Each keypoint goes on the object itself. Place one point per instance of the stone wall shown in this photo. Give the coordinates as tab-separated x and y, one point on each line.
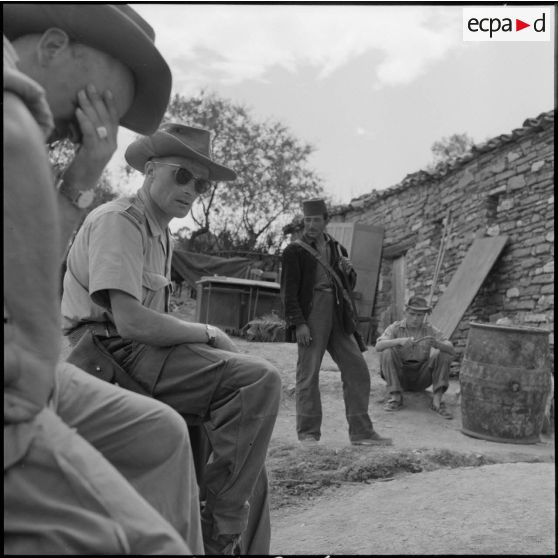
503	187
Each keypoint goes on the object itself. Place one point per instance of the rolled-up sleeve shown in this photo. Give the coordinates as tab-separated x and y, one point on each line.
388	334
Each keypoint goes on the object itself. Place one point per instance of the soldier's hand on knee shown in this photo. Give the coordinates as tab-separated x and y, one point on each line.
224	342
303	336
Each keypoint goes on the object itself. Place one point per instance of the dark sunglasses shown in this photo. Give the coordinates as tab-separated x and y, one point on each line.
183	176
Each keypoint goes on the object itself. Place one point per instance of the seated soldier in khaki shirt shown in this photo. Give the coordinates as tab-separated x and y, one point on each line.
117	285
406	359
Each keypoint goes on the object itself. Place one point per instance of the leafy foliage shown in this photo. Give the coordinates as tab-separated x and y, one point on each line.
273	176
450	148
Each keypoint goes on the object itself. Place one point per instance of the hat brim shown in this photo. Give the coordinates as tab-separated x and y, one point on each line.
425	309
106	28
163	144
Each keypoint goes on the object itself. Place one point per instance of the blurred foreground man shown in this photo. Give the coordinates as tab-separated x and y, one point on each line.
415	355
117	287
89	468
315	272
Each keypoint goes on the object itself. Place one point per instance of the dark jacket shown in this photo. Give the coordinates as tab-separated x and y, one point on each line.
298	274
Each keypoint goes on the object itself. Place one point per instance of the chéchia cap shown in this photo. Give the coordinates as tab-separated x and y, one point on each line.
115	29
174	139
418	304
314	206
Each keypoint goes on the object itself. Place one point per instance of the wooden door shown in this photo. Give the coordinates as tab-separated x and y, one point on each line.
466	282
364	245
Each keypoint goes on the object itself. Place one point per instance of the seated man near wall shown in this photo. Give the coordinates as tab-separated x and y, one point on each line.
407	362
117	286
89	468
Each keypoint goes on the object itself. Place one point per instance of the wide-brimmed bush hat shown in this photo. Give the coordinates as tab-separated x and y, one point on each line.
114	29
174	139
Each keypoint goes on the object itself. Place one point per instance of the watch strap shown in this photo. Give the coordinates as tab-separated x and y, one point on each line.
82	199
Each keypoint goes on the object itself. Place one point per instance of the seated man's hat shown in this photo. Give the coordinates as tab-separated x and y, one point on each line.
178	140
117	30
314	206
418	304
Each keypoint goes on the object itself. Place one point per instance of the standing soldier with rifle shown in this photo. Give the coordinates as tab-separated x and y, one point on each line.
315	282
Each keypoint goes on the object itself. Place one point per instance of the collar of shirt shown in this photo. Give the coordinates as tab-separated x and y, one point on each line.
155	228
422	329
312	242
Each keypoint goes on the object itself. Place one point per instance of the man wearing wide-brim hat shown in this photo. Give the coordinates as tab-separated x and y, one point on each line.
117	285
89	468
415	355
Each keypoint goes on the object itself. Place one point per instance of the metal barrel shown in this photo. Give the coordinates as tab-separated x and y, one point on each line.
505	379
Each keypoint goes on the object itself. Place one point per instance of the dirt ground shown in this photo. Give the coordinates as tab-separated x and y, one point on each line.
435	491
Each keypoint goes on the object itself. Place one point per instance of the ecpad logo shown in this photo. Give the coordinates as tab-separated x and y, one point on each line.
507	23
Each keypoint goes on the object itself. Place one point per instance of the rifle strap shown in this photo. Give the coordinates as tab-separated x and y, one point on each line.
328	268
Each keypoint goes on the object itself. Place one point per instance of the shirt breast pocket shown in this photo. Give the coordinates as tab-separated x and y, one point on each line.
154	290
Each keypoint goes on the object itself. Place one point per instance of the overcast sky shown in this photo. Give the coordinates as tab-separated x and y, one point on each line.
370	87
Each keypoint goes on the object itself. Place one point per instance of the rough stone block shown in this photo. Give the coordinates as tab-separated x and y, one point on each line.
548	267
465	179
513	155
494	230
520	252
516	182
545	302
532	318
531	290
551	200
506	205
537	166
513	292
498	190
529	263
534	241
547	289
521	304
544	278
542	248
550	236
498	166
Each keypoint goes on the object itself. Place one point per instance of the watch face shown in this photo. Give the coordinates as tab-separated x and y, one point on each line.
86	199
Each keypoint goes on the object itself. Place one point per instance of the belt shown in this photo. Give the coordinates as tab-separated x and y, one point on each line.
325	290
104	329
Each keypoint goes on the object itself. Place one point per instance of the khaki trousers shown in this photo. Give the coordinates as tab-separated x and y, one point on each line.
107	472
403	375
235	396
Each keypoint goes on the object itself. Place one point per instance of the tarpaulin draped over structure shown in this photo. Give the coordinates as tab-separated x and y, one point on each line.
191	266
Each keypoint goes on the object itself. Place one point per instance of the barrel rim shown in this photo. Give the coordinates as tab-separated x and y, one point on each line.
517	329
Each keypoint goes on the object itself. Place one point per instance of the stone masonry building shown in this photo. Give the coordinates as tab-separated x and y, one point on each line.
502	187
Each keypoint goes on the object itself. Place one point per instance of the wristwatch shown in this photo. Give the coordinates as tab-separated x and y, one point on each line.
82	199
211	335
